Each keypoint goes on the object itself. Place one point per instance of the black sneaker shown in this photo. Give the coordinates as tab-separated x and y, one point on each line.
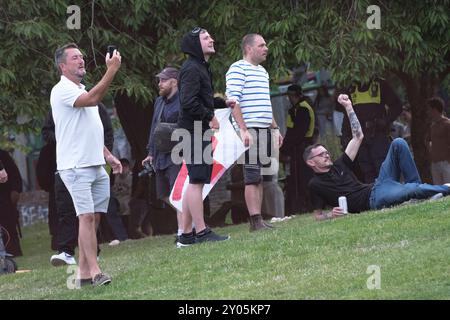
268	225
177	237
209	235
185	240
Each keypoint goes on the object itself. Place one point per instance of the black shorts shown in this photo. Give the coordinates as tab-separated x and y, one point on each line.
165	179
198	163
258	155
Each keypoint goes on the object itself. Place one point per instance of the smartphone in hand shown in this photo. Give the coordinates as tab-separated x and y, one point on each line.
111	49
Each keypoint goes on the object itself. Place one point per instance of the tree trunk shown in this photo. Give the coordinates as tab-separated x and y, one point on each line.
135	120
418	91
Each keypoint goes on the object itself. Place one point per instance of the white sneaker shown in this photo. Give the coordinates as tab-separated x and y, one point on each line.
437	196
114	243
62	259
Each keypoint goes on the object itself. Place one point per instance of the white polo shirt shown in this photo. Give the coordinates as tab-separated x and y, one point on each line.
78	131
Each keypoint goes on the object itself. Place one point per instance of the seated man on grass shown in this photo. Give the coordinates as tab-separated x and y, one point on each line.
333	180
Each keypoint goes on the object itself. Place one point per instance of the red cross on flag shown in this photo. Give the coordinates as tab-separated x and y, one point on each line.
227	148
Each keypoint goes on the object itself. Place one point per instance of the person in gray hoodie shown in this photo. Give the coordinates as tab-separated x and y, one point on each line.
196	112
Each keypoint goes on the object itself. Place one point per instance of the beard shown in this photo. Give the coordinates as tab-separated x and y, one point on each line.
164	92
80	74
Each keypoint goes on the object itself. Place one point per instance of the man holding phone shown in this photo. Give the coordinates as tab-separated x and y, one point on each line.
111	49
80	151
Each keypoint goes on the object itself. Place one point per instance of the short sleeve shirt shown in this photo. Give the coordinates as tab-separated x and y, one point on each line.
327	187
78	130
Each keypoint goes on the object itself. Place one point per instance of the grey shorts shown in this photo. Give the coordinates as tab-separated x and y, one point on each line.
89	188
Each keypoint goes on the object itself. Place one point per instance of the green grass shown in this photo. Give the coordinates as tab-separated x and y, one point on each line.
301	259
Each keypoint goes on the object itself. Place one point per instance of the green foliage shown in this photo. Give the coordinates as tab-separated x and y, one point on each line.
413	40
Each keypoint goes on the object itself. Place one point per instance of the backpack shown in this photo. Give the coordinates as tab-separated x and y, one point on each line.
163	133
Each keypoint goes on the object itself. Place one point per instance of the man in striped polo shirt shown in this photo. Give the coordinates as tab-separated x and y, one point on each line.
248	95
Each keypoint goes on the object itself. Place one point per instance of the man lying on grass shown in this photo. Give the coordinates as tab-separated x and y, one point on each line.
332	180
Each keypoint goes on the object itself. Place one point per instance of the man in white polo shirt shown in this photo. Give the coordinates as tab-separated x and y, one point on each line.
80	151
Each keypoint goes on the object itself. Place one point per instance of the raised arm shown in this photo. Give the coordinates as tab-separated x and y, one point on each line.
357	135
96	94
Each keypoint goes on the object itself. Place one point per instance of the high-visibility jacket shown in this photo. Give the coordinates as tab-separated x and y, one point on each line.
291	117
376	105
371	95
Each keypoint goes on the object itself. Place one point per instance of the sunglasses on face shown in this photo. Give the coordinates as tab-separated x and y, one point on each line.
322	155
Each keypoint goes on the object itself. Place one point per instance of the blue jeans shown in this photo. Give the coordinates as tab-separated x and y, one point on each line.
388	191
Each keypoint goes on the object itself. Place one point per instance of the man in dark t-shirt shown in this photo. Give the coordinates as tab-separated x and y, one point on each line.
333	180
327	187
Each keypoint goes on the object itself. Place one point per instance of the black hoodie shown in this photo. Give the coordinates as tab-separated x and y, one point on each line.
195	86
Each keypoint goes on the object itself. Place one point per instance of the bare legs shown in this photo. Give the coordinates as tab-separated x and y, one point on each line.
193	208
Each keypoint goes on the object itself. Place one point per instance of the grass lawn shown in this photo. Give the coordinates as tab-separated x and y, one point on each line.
300	259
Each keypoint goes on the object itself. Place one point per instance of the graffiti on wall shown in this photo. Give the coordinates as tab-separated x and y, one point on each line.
32	213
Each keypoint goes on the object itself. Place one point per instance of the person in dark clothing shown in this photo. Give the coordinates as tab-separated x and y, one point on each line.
166	110
369	103
63	215
45	174
10	188
333	180
438	141
196	111
299	135
63	222
114	225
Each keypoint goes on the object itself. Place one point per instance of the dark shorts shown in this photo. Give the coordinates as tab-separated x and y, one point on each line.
258	156
165	179
199	167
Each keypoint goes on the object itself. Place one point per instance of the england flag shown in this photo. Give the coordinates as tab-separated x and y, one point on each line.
227	148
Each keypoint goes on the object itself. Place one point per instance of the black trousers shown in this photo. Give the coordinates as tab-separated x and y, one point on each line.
67	234
298	198
52	218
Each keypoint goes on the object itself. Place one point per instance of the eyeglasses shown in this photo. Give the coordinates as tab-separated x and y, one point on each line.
196	30
322	154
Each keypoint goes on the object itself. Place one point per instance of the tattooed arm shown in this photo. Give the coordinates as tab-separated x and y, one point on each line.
357	135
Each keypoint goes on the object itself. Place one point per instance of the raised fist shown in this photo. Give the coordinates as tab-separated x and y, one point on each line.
344	100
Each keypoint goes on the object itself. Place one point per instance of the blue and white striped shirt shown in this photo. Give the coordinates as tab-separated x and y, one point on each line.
249	86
